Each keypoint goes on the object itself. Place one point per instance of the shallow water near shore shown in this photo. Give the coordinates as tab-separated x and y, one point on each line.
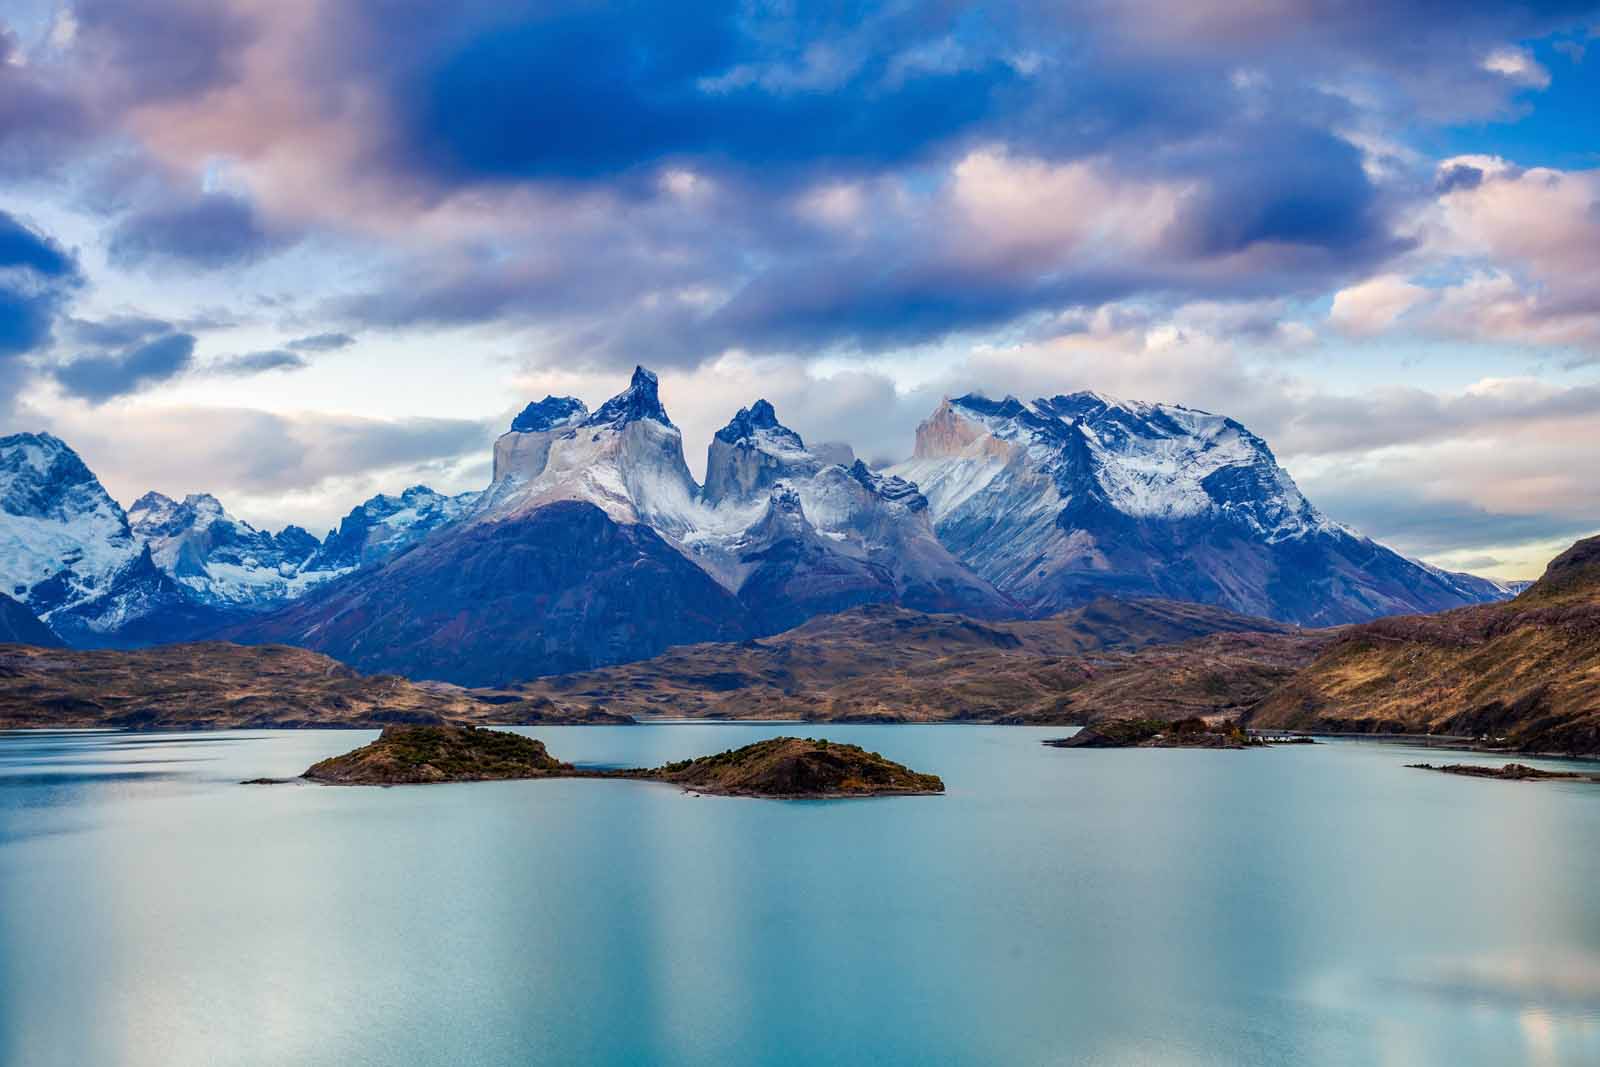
1308	904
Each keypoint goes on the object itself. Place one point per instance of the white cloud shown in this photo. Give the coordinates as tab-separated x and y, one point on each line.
1373	306
1518	65
1534	237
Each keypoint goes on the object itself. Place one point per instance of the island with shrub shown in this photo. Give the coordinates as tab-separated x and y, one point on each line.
1193	732
782	767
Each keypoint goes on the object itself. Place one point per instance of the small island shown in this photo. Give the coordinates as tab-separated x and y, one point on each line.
1157	733
416	755
781	767
1511	772
798	767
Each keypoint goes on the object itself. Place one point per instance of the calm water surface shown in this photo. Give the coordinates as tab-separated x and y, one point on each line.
1303	905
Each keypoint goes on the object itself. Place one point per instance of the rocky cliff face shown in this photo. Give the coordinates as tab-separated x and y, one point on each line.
787	530
1071	497
626	459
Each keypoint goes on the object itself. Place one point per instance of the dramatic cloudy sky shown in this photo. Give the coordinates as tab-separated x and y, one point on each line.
293	252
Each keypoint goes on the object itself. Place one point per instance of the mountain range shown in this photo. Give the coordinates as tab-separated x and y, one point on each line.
1071	497
594	545
167	570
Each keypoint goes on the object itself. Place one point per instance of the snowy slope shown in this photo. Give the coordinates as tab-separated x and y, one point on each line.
1066	498
221	559
847	536
383	525
63	540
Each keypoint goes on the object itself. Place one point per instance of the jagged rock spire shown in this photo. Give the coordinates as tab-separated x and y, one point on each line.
758	416
641	400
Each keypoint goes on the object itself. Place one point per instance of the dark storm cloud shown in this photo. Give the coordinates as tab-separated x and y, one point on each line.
38	116
208	231
22	247
37	278
251	363
161	49
580	91
1283	185
1458	176
115	331
321	342
593	95
102	377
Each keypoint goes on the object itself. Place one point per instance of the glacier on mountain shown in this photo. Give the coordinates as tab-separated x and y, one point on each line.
627	459
1069	497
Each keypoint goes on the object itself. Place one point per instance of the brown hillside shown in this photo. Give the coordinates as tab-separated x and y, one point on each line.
212	685
1527	671
881	663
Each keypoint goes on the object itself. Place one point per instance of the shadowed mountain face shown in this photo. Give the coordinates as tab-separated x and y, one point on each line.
1073	497
1153	659
790	530
562	588
594	546
18	626
1527	671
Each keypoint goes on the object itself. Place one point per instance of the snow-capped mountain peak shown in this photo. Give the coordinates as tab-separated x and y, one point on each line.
626	458
641	400
1145	461
551	413
753	452
63	539
382	525
1066	497
222	560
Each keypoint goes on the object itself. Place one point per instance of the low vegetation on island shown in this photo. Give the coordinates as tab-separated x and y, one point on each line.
1511	772
783	767
414	755
1156	733
798	767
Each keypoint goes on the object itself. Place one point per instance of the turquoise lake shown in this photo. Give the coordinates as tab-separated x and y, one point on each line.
1309	905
